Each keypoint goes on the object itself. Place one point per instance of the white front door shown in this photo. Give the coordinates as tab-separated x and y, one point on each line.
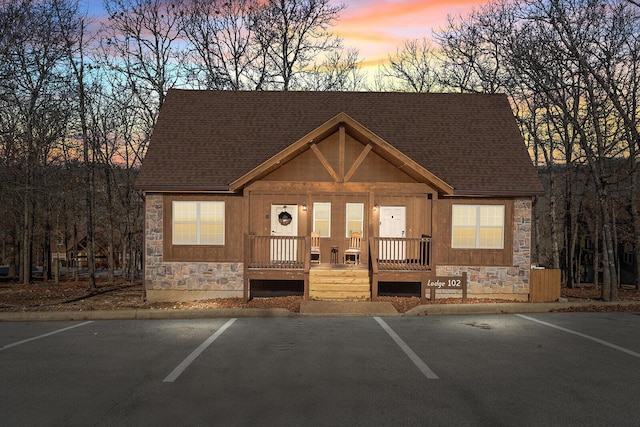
284	223
392	224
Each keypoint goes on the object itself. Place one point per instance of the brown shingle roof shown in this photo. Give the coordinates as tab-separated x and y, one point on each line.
205	140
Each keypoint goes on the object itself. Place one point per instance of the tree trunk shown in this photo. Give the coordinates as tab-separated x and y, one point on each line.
571	232
91	260
27	233
110	220
74	251
14	258
635	213
609	286
46	250
596	254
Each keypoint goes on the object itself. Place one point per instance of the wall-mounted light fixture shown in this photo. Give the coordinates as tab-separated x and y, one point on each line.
304	206
375	207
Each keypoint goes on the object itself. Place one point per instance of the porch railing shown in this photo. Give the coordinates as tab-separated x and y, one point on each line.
277	252
400	254
293	252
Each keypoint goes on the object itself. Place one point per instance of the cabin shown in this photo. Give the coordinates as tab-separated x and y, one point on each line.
340	193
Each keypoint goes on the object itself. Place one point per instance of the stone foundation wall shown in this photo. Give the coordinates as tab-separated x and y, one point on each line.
204	279
501	282
196	276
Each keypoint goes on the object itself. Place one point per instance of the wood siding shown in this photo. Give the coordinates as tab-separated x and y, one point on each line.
231	251
339	158
444	254
340	169
419	212
262	195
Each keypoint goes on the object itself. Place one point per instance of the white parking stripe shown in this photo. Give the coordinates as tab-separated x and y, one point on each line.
407	350
598	340
202	347
4	347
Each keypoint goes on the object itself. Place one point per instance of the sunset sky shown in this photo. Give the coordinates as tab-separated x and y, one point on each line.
378	27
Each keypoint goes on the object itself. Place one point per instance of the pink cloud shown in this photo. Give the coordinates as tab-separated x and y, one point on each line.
378	28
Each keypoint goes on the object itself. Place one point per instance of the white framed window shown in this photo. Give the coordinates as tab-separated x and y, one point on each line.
477	227
355	219
322	218
198	223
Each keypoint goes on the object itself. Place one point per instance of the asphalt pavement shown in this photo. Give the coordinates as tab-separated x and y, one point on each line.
560	369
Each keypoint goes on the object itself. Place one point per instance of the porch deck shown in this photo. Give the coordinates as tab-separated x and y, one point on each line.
289	258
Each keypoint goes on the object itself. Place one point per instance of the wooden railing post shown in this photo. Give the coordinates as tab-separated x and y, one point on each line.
373	256
245	271
307	266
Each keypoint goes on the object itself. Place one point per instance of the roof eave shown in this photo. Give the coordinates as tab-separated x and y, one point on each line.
495	193
184	189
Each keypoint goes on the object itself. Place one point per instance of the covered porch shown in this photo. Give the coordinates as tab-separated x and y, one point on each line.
290	258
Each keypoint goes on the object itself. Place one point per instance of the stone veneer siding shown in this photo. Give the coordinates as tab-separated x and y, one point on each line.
502	282
209	279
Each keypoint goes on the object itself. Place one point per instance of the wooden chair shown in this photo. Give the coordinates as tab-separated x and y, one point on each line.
352	255
315	247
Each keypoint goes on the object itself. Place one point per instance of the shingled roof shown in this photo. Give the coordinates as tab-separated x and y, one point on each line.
206	140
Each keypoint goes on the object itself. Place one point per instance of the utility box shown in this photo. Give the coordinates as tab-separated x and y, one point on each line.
544	285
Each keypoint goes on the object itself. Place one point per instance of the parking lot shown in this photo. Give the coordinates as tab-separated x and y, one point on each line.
538	369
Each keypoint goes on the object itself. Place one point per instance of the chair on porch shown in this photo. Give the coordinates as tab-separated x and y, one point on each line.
315	247
352	255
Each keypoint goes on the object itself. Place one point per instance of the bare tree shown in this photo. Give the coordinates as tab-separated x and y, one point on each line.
291	34
570	69
33	96
472	59
600	53
141	41
340	71
412	68
73	29
611	58
115	120
223	47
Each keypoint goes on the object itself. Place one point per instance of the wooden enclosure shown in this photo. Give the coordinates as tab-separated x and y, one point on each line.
544	285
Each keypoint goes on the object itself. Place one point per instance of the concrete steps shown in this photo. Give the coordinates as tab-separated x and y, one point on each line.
339	284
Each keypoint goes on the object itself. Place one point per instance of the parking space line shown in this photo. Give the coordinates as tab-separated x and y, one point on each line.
202	347
407	350
569	331
4	347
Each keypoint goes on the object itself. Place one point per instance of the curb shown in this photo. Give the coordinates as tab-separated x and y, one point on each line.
508	308
143	314
347	308
332	310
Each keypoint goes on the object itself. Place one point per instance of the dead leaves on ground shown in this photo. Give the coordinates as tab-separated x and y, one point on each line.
75	296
